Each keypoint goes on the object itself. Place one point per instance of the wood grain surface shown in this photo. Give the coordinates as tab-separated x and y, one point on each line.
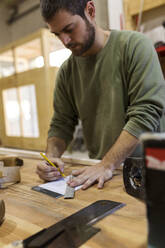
27	211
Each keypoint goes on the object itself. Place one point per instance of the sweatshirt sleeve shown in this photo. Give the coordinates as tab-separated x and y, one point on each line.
145	86
64	118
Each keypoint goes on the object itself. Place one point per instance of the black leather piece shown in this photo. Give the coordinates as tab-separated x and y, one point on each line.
134	177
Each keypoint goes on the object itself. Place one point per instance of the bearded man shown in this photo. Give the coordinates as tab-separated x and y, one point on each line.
112	82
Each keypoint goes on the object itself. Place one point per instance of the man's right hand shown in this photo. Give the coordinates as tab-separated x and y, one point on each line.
48	172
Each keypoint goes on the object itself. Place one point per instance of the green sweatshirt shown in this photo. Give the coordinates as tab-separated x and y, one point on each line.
120	88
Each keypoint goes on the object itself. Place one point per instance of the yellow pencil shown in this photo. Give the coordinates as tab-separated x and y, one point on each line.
62	174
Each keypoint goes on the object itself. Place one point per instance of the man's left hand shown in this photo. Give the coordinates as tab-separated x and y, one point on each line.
91	174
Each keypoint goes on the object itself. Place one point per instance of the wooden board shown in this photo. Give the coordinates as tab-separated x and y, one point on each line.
134	6
28	211
69	159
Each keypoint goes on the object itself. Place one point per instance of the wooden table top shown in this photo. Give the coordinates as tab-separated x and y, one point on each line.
28	212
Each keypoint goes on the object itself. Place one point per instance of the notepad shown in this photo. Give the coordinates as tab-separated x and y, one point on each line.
56	188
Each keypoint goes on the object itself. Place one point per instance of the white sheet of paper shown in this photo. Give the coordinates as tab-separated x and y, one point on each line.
58	186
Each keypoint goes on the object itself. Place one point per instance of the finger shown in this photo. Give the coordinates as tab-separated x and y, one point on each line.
70	179
88	183
61	168
46	168
59	163
77	181
101	183
48	176
50	179
53	174
78	172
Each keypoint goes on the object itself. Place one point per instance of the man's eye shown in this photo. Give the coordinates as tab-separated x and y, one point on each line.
69	30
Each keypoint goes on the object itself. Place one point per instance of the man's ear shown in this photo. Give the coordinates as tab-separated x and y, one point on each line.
90	10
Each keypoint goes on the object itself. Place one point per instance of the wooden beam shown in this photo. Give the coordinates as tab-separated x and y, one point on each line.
36	155
134	6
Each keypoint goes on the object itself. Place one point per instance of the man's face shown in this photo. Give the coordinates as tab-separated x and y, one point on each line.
76	33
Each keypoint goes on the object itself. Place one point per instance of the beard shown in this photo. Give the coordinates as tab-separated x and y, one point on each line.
87	43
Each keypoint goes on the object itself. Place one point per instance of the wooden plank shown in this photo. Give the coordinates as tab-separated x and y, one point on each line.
129	22
36	155
134	6
28	212
82	161
21	153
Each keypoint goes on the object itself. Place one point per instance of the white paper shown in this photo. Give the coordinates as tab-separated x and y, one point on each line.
58	186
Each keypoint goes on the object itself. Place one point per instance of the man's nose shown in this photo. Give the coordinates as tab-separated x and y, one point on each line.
65	39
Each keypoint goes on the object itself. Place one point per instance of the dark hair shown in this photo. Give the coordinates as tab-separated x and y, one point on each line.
50	7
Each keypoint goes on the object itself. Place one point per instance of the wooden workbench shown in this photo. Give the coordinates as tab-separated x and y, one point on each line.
27	211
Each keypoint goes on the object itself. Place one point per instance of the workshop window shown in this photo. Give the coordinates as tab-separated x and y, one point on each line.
58	57
58	53
29	56
6	64
29	111
21	112
12	112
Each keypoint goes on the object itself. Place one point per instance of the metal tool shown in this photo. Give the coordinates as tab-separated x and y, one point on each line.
74	230
70	191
